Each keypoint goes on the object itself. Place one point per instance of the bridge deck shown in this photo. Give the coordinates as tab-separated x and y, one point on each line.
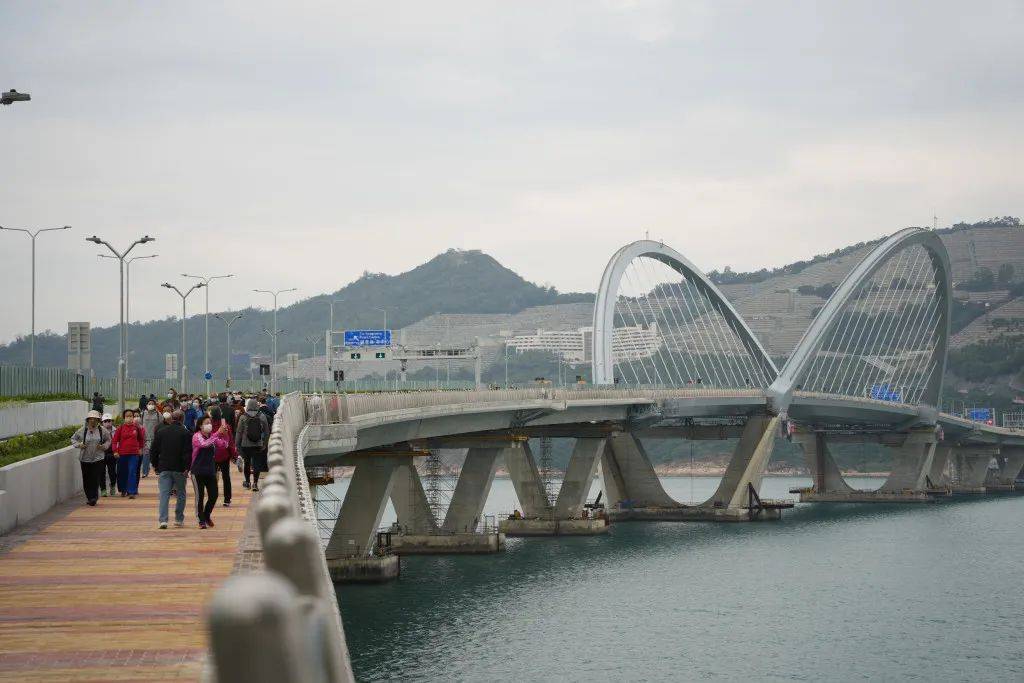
99	593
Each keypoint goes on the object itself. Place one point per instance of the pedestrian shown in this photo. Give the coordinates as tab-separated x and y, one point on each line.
109	472
266	410
192	414
128	441
151	420
226	453
203	468
171	456
91	440
97	402
251	440
143	400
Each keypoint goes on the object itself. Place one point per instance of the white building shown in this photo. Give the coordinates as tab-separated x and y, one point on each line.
574	346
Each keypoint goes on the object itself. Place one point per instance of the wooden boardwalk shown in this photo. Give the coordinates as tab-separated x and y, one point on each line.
101	594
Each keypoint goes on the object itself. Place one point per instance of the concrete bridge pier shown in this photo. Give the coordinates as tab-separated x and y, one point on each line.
970	468
736	498
567	516
634	492
938	475
351	552
418	533
908	482
1011	462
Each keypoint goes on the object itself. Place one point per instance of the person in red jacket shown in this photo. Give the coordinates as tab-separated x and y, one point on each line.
126	445
226	453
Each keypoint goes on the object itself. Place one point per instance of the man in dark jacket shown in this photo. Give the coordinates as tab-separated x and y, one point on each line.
170	455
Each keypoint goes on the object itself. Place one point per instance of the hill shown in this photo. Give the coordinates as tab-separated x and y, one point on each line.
452	282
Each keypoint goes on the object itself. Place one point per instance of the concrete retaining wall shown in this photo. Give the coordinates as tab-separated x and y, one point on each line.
31	487
26	418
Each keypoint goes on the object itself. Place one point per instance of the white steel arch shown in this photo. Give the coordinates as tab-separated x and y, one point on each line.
607	294
793	373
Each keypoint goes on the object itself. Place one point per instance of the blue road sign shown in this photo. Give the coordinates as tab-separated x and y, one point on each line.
367	337
208	375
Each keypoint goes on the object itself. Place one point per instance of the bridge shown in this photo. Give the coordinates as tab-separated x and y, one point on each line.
671	359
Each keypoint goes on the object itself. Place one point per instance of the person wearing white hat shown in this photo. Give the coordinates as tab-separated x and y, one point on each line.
109	471
92	441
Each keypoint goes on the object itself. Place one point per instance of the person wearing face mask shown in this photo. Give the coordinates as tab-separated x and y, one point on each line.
127	443
109	472
91	440
192	414
203	468
151	420
172	455
226	453
251	440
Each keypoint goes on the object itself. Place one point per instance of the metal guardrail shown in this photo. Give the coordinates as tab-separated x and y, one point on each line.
281	624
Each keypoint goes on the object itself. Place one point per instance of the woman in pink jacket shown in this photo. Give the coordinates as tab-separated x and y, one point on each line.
205	444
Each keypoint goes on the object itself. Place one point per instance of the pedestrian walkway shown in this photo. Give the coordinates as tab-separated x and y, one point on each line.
101	594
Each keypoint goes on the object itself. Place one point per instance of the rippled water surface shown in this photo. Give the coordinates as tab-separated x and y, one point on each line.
868	592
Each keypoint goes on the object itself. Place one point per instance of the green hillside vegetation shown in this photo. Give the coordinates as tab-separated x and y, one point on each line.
452	282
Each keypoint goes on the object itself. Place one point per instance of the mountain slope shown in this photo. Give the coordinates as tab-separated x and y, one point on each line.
452	282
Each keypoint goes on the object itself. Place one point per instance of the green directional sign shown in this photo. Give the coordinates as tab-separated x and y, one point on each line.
355	356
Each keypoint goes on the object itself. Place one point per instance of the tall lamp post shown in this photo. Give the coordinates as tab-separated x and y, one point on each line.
273	365
206	280
273	368
228	324
121	360
333	301
32	235
184	364
127	300
313	341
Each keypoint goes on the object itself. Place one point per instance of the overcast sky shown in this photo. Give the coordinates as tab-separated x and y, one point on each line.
300	144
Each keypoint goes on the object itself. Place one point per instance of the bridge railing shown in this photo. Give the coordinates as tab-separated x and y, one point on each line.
281	624
339	408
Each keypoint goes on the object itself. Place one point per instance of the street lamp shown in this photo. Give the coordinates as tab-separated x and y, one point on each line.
127	300
121	360
228	324
12	96
385	312
32	342
184	364
206	279
273	368
334	301
313	341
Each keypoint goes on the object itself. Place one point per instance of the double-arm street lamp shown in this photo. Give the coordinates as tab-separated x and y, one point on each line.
184	296
32	342
206	280
228	323
273	335
121	360
127	300
313	341
273	366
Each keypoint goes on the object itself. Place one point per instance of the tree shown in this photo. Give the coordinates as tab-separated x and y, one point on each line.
1006	272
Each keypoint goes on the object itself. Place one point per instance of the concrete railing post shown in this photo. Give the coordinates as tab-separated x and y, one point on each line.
256	632
293	550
